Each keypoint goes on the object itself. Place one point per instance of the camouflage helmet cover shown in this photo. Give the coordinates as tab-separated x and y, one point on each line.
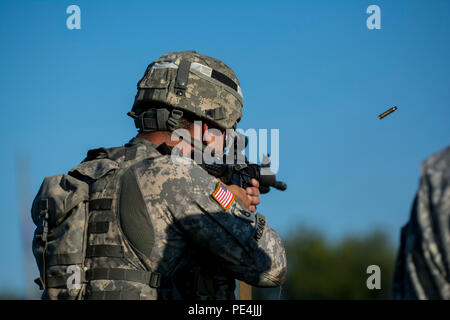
197	84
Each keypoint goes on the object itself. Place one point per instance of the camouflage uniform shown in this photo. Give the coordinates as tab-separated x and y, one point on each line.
153	229
188	227
423	262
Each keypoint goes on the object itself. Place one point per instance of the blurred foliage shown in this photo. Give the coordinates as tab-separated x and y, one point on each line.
7	294
320	269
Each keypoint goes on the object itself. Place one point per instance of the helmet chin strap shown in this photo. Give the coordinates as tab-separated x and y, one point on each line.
160	119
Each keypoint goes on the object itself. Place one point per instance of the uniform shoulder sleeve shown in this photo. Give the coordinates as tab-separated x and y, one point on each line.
423	260
214	220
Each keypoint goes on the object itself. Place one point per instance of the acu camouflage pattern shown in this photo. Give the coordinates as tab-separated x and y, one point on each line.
202	93
191	230
79	202
186	219
65	200
104	168
423	262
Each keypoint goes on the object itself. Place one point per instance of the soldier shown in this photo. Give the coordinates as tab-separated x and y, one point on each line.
423	262
159	226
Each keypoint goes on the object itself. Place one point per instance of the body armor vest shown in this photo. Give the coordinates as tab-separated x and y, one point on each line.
109	256
110	268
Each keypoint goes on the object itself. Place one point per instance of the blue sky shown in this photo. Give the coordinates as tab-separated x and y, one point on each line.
311	69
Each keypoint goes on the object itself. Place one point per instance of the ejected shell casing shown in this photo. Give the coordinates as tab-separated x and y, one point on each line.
387	112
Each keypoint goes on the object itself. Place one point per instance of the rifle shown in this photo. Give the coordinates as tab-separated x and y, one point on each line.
241	174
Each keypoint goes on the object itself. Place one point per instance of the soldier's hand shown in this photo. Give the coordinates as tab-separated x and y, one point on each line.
248	197
240	194
253	195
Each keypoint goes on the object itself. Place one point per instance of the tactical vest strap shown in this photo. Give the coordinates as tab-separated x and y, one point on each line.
113	295
98	227
146	277
62	259
58	281
61	280
100	204
104	251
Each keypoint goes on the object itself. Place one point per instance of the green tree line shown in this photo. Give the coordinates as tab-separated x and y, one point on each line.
322	269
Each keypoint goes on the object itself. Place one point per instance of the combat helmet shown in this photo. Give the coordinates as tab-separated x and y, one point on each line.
187	84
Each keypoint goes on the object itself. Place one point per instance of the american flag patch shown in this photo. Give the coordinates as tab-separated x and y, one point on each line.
224	197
